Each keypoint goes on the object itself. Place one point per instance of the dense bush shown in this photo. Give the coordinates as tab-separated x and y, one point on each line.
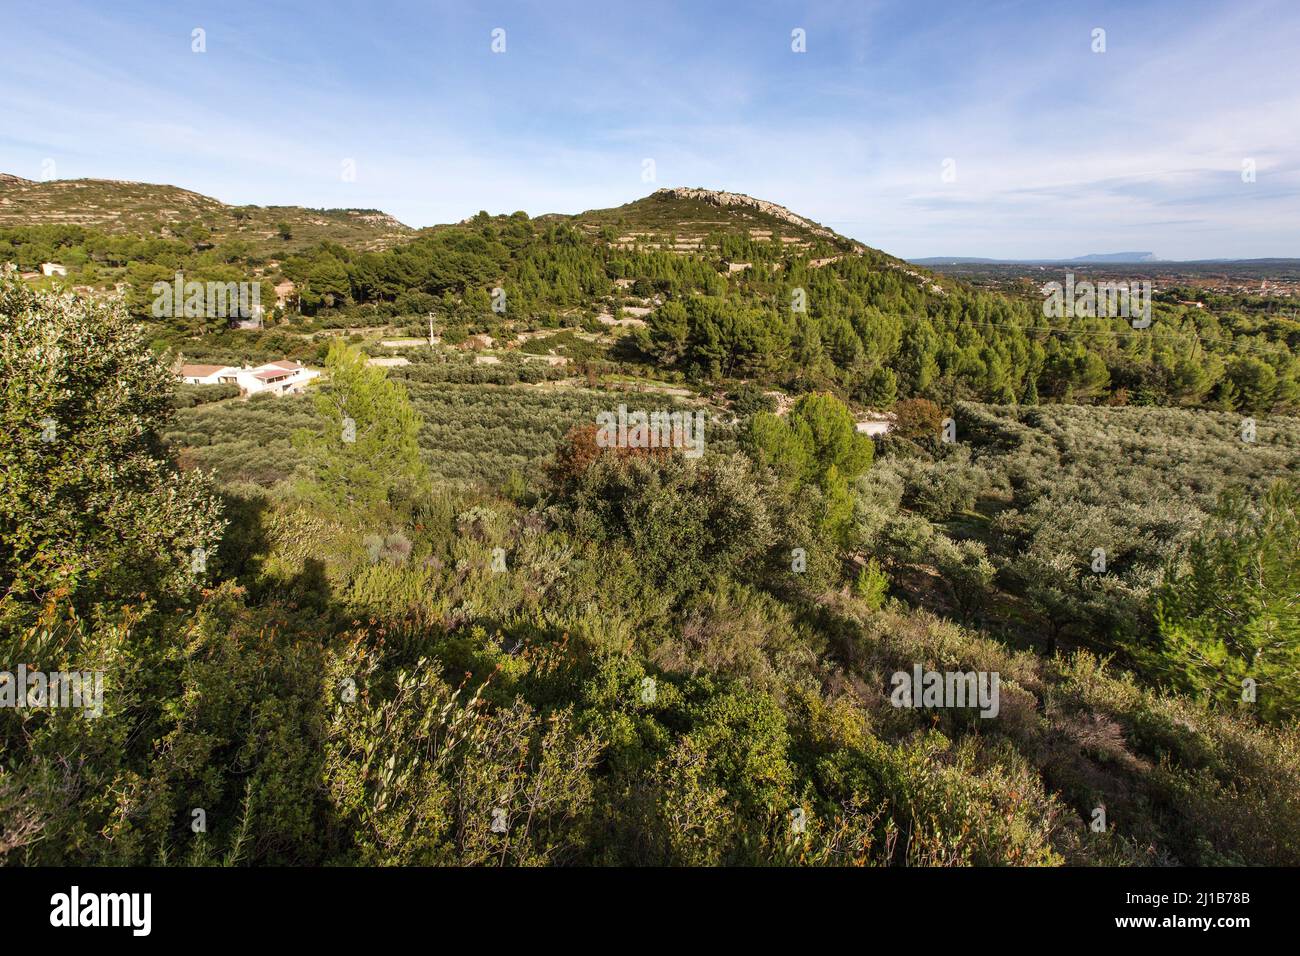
90	508
188	396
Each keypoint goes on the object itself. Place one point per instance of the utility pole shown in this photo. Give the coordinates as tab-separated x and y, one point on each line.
430	330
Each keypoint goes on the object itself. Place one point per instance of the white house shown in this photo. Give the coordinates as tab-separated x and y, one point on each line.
208	374
277	378
53	269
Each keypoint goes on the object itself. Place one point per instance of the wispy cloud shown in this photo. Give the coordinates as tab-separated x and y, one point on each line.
1057	150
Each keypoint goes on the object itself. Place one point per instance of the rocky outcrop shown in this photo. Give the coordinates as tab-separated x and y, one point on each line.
724	199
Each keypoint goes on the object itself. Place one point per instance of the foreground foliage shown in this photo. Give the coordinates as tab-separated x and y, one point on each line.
614	664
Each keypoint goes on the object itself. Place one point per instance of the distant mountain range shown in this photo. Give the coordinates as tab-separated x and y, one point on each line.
1095	258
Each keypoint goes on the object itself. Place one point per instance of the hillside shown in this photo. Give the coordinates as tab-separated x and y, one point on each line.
738	228
148	210
684	218
696	286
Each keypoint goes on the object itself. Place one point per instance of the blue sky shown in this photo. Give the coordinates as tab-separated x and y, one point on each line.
1057	150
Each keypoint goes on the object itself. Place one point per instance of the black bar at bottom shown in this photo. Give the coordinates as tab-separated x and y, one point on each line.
341	905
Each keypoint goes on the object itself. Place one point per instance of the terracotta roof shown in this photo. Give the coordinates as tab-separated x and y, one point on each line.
201	371
268	374
285	363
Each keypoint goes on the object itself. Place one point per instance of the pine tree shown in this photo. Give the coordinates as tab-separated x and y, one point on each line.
1230	615
368	446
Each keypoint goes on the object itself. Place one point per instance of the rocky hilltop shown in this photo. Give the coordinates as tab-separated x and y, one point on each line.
723	199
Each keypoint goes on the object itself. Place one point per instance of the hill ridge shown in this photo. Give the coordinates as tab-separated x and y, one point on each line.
130	207
722	198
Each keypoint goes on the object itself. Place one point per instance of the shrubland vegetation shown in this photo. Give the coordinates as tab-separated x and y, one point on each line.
1087	518
614	656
